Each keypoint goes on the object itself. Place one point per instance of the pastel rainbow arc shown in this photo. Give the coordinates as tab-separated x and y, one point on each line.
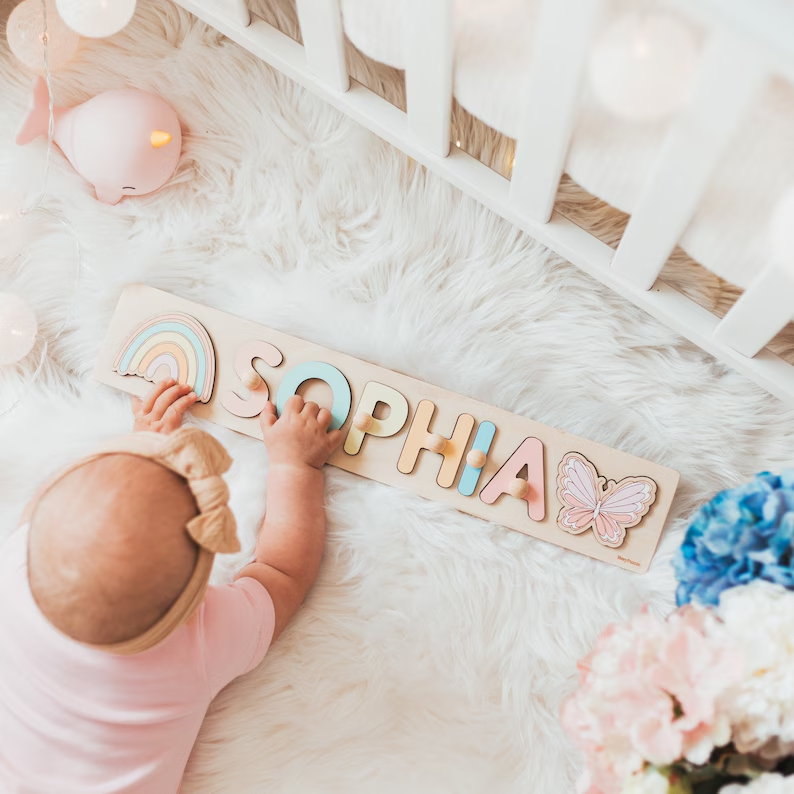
169	353
177	341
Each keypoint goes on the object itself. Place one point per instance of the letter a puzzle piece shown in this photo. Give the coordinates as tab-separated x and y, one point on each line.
529	454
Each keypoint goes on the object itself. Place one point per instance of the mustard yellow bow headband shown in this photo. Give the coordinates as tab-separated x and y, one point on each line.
200	459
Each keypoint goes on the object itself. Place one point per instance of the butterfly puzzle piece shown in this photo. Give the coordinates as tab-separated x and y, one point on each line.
607	507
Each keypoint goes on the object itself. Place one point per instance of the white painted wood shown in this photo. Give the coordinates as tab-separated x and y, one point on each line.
238	12
729	78
760	313
492	190
428	45
561	46
768	23
324	40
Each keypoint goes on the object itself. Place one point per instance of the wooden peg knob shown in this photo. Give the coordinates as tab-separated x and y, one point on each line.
362	420
252	380
436	443
518	488
476	458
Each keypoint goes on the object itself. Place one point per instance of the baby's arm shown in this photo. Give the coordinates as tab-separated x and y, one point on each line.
292	536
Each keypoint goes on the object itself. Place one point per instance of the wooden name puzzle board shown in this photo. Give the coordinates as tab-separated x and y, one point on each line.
400	431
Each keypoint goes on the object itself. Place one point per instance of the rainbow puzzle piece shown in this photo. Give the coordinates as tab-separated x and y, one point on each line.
176	341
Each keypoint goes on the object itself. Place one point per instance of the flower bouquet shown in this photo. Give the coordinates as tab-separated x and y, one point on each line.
702	702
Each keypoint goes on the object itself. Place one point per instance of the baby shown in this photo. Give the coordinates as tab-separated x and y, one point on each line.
112	644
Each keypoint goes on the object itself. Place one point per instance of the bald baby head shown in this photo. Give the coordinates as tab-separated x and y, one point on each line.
109	553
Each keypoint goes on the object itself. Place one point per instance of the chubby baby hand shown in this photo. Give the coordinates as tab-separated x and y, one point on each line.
161	410
299	437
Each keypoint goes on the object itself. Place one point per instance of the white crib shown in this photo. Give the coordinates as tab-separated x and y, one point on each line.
746	45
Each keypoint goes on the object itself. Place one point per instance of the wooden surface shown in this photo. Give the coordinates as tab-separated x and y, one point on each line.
378	456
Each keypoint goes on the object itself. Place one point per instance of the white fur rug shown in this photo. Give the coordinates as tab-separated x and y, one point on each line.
434	651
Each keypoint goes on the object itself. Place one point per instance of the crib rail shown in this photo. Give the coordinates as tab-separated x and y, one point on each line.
733	69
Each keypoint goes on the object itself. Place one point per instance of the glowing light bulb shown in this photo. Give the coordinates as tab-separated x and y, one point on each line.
24	32
18	328
96	18
642	66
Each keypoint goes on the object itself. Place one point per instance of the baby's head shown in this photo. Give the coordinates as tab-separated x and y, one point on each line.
110	546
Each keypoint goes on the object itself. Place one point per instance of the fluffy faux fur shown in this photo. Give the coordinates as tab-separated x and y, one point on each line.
434	651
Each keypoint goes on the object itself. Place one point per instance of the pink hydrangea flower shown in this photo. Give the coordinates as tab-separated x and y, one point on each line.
648	693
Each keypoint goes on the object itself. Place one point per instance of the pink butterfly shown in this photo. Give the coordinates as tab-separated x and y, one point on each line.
609	507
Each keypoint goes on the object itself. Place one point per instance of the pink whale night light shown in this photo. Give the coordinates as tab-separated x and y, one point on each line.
125	142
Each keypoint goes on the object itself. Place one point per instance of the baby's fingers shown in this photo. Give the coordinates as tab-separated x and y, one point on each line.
167	399
268	416
334	438
294	405
149	400
183	403
172	420
324	418
310	409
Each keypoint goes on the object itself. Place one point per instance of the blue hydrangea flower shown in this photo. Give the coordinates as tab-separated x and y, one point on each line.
742	534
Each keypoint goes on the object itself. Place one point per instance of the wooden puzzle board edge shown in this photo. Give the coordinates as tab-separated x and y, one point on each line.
378	457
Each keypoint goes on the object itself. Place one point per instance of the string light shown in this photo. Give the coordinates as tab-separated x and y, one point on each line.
20	317
26	40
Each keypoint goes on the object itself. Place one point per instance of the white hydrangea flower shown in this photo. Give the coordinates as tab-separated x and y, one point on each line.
760	617
650	782
766	784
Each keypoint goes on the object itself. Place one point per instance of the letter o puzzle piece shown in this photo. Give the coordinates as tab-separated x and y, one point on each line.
318	370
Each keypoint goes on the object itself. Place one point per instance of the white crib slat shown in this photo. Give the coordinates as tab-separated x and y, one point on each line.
729	78
324	41
238	12
764	308
428	43
486	186
561	46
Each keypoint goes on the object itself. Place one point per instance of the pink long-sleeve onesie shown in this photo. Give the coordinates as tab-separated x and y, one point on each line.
76	720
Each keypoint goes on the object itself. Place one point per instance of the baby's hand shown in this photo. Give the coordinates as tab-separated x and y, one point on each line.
300	436
161	410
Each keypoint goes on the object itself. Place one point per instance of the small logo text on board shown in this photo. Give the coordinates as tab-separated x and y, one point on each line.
626	559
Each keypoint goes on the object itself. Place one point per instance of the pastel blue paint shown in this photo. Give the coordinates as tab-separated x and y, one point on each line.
331	375
482	441
179	328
